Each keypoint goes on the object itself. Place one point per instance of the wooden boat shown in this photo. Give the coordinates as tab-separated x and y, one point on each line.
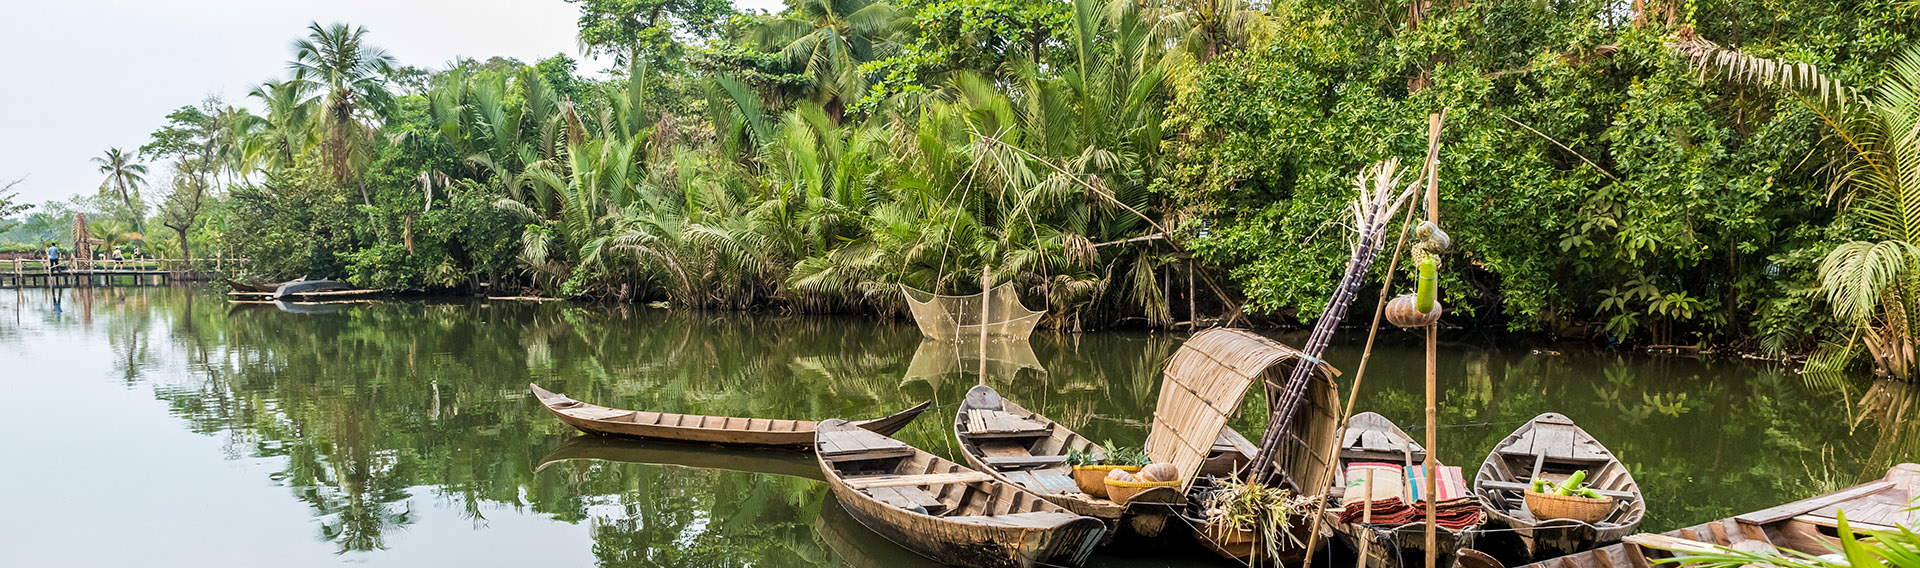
308	287
588	447
1808	525
1552	447
1371	437
237	286
944	511
1205	381
594	419
1021	447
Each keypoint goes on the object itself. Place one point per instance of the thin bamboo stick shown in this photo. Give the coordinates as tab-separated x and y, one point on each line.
1434	122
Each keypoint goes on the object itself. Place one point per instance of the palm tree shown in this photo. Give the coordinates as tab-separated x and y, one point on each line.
348	80
287	131
829	39
1875	168
124	178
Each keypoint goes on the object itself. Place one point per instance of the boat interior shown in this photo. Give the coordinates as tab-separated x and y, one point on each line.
898	475
1554	450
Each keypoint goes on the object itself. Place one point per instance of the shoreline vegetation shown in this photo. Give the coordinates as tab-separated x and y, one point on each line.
1616	176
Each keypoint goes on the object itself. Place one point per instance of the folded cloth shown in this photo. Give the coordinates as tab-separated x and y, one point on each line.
1394	496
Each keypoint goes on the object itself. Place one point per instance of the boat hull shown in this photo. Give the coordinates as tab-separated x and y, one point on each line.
688	428
971	545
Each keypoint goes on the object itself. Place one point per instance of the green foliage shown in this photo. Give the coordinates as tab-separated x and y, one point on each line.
648	30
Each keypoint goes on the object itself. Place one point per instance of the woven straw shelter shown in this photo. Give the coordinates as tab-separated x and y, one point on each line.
955	317
1204	385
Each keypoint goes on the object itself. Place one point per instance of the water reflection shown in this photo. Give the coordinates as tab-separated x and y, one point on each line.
390	422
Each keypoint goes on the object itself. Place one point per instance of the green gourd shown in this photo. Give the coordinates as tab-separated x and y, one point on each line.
1588	492
1573	481
1540	485
1428	287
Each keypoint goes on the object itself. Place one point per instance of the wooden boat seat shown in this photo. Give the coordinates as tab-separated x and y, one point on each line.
986	423
909	498
1522	487
1043	482
872	481
1023	461
1038	519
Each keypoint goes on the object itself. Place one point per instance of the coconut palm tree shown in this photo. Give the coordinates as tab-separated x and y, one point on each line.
1874	166
347	78
124	178
287	131
828	40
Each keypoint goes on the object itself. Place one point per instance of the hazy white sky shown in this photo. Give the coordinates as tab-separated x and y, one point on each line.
81	76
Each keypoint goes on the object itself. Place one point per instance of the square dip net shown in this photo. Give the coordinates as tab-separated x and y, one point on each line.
948	318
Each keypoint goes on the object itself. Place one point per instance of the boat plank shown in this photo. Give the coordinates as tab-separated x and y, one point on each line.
1783	512
873	481
908	498
1022	461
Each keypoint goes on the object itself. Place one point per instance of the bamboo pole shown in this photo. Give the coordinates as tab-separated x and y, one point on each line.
1359	375
986	294
1434	122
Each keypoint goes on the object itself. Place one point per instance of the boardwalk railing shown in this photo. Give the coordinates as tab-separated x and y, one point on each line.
85	271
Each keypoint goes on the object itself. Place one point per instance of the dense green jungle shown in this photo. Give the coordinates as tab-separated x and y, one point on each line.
1655	172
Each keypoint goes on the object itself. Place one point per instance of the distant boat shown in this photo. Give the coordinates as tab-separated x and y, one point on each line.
304	287
595	419
945	511
238	286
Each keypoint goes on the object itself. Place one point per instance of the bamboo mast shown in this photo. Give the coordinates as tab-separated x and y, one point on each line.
1433	335
986	295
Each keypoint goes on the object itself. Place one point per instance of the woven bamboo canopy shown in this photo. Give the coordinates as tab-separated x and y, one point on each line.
1204	384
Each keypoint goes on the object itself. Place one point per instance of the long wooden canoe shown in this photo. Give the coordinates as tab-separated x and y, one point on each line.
602	448
595	419
1552	447
1809	525
308	287
944	511
1019	446
1371	437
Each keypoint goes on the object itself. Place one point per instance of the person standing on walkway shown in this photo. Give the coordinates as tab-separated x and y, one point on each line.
53	256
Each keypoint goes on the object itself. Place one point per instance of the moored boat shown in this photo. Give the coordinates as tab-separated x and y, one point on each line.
1024	448
1205	381
309	287
944	511
1807	526
1552	447
1373	439
605	421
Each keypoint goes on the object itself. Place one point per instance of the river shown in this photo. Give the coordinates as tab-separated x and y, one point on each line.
166	427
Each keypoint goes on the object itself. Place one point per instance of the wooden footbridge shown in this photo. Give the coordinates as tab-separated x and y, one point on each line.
35	273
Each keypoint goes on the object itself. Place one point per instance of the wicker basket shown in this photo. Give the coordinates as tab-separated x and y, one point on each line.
1545	506
1091	479
1121	491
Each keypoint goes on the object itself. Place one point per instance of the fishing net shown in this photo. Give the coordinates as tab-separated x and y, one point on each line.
955	317
937	359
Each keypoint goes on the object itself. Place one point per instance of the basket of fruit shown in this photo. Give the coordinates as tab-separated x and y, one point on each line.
1123	485
1568	499
1091	468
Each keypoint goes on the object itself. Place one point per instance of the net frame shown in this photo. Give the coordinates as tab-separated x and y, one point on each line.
947	318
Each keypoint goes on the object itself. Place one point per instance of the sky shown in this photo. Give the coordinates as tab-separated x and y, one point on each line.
80	76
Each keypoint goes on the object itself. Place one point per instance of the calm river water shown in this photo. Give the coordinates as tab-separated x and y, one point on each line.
165	427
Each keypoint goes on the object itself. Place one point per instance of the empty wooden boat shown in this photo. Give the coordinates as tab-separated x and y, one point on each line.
594	419
1552	447
1809	525
944	511
602	448
1371	437
1019	446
